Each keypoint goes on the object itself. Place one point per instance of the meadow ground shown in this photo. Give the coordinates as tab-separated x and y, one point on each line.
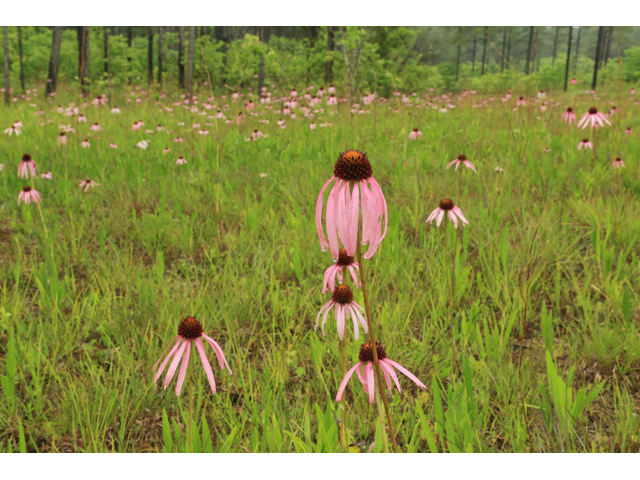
546	277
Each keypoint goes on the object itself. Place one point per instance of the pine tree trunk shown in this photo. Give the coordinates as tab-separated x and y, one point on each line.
54	62
150	56
106	50
459	41
608	49
504	46
555	47
192	43
328	74
21	63
473	55
181	57
7	100
594	82
160	54
575	65
529	46
566	71
83	57
484	50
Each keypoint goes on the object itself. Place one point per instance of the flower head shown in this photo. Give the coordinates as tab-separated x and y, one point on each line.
345	262
87	184
85	143
343	206
415	134
447	206
568	116
585	143
47	176
345	308
28	195
462	158
594	118
95	127
617	163
26	166
364	371
180	161
189	331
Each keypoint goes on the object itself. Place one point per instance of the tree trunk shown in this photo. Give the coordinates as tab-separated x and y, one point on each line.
225	48
106	50
328	74
192	43
129	43
555	47
7	100
535	66
608	48
566	71
160	54
529	45
484	50
473	55
594	82
150	56
508	50
21	63
459	41
575	66
181	57
83	57
54	62
504	51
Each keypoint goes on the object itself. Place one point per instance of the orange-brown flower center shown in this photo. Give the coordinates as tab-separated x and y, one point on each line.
342	295
446	204
344	259
190	328
353	165
366	352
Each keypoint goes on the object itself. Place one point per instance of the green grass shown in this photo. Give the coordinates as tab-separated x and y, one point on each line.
87	308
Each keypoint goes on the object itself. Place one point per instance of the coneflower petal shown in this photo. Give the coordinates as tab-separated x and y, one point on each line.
222	360
206	365
406	372
392	372
174	363
345	380
183	368
166	360
319	204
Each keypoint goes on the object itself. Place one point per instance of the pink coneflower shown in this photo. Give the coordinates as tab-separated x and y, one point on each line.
62	138
240	118
95	127
142	145
443	109
633	91
521	102
364	371
498	170
415	134
345	262
574	81
220	114
617	163
87	184
235	96
166	150
462	159
1	166
628	130
612	111
115	110
568	116
312	126
13	129
85	143
594	117
189	331
47	176
446	206
263	175
543	107
280	122
249	106
82	118
178	139
136	126
585	144
27	165
113	145
180	161
343	206
345	309
28	195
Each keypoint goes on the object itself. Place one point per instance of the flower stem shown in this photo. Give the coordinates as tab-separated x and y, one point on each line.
372	337
450	285
345	437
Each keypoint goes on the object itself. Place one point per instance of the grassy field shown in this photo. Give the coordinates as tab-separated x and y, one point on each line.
94	285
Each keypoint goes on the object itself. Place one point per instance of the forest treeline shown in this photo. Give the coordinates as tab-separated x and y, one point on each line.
357	59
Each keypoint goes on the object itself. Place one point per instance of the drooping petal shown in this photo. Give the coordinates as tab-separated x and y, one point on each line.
453	218
154	367
352	270
440	217
387	379
353	220
340	320
392	372
166	360
406	373
222	360
206	365
366	208
332	232
433	215
183	368
345	380
323	242
370	383
458	212
451	163
361	318
470	165
174	363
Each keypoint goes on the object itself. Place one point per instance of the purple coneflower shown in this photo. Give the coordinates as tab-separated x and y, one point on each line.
47	176
568	116
87	184
85	143
585	143
189	331
618	163
462	159
180	161
345	308
521	102
343	206
113	145
415	134
364	370
62	138
336	270
628	130
593	117
27	165
453	212
95	127
28	195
